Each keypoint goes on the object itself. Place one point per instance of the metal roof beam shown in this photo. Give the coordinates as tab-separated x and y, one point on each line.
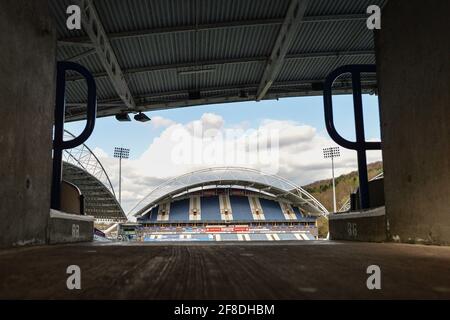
80	41
82	55
222	62
82	44
283	42
252	86
97	35
162	105
176	66
237	88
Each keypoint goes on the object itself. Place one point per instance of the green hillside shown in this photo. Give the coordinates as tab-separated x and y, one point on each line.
345	184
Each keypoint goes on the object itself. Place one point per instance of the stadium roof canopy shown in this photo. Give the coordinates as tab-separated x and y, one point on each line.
252	179
160	54
82	168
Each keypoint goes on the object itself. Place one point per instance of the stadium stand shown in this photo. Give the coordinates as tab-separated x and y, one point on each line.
210	208
179	210
225	207
241	208
154	213
229	237
255	206
195	211
297	212
226	204
272	209
286	236
258	237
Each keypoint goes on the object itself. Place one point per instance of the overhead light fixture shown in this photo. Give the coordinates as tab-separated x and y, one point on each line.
194	95
243	94
141	117
122	117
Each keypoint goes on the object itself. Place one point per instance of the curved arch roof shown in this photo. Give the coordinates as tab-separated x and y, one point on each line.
231	176
83	157
82	168
99	201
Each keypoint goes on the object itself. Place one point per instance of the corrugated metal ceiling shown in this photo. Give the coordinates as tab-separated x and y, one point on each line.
220	48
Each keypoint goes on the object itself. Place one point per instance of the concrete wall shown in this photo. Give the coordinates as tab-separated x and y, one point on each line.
413	58
70	198
376	192
69	228
368	225
27	65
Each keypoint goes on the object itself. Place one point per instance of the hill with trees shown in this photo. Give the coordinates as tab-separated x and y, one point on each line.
322	190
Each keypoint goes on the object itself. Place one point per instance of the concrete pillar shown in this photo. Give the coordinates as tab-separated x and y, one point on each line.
413	59
27	67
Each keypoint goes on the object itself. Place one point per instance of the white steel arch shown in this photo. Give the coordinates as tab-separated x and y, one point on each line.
231	176
82	168
84	158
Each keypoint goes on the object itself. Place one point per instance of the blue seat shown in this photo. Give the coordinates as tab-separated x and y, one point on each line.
229	237
210	208
271	209
240	208
154	213
179	210
258	237
297	212
286	236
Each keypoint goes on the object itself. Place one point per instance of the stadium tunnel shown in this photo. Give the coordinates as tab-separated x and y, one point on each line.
140	58
223	58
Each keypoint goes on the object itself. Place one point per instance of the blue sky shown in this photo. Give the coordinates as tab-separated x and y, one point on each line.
137	136
299	158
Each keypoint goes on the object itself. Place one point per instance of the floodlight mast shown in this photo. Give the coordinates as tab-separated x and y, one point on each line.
121	153
332	152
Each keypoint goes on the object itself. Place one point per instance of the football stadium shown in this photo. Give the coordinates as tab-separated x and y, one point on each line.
226	204
98	97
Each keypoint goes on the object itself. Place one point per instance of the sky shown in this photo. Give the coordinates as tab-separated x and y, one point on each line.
283	137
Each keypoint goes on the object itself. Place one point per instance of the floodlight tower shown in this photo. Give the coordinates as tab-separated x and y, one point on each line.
121	153
332	152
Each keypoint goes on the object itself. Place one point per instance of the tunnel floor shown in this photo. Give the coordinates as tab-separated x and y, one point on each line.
288	270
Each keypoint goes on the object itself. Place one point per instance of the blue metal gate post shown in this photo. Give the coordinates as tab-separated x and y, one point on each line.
360	145
60	108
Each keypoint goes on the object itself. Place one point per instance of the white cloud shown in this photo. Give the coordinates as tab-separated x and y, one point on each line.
160	122
286	148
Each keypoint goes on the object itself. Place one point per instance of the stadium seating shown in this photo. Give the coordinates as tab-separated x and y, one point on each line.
241	208
286	236
310	236
210	208
272	209
297	212
154	214
229	237
258	237
179	210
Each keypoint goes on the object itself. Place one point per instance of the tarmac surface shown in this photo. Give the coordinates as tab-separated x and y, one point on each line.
258	270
